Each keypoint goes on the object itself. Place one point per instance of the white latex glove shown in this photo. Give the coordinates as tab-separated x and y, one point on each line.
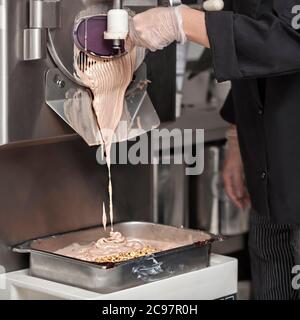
157	28
233	172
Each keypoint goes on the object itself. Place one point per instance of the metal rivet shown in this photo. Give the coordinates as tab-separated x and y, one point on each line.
61	83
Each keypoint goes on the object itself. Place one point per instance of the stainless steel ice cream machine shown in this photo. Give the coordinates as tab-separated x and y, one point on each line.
37	64
50	182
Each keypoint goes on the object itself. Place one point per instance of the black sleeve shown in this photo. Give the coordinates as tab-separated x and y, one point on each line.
227	4
227	111
244	47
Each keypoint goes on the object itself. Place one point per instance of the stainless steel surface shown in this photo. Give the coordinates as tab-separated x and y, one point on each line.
23	112
57	60
34	44
174	3
182	210
42	14
196	91
117	44
170	194
202	116
205	205
45	14
55	188
140	3
118	4
109	278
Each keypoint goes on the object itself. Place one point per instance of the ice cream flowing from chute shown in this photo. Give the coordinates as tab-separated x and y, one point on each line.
108	77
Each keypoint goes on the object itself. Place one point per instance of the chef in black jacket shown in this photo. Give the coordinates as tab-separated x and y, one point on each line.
256	45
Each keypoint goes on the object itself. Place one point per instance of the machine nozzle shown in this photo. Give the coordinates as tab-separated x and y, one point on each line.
117	25
117	46
118	4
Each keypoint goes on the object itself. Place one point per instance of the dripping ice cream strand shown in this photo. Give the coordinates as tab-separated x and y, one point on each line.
104	217
108	80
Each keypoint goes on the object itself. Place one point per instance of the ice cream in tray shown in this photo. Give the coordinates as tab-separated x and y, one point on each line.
134	254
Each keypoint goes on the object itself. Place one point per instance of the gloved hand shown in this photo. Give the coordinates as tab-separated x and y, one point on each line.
157	28
233	172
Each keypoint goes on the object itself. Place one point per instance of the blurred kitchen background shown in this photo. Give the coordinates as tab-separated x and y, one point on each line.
201	201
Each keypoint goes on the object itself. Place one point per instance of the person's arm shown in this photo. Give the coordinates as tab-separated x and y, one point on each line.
192	18
245	47
233	171
242	47
157	28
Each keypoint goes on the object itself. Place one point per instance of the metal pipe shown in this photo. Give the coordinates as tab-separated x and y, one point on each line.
118	4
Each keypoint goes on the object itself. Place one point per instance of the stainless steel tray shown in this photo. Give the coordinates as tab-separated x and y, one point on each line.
107	278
